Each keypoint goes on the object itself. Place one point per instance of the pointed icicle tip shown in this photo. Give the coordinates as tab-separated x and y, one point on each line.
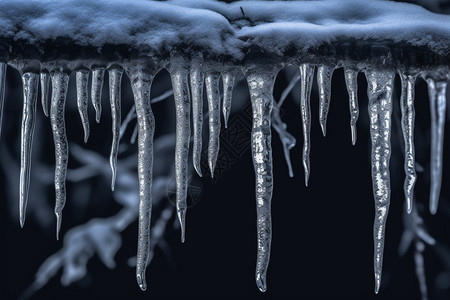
30	91
261	282
140	278
182	219
96	91
115	80
45	83
58	224
324	76
306	77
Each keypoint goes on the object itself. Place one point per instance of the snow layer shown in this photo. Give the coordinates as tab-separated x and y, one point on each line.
220	28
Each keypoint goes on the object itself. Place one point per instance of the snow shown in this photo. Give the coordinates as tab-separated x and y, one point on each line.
221	28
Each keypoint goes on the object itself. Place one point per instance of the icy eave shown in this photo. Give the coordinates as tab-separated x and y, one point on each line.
116	30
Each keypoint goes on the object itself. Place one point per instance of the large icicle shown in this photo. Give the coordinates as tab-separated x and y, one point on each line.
228	83
141	84
436	92
212	92
60	82
2	92
324	75
82	78
261	80
179	74
98	75
408	116
306	78
196	78
379	92
351	80
115	82
30	91
45	84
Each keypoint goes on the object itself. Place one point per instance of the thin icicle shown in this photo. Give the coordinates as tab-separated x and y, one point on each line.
212	92
306	78
30	83
141	83
351	80
2	92
179	74
379	92
45	84
408	116
324	75
228	83
115	81
436	92
60	82
96	91
196	78
82	100
261	81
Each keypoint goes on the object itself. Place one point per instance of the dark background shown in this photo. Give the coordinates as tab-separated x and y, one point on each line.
322	235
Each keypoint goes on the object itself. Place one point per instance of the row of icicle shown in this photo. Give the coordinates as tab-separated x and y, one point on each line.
187	80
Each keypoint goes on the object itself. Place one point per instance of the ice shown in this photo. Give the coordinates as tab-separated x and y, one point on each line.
408	117
436	92
180	81
212	92
2	92
115	81
379	92
196	78
30	83
82	77
60	82
96	91
351	80
260	81
141	82
324	75
45	85
228	82
306	78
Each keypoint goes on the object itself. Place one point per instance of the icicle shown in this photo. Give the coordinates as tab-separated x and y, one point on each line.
179	74
261	81
212	92
351	80
115	81
228	83
379	92
324	75
96	91
436	92
82	100
60	82
30	90
306	75
2	92
45	83
196	78
141	84
408	116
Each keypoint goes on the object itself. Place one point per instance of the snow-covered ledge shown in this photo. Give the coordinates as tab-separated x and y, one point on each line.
199	40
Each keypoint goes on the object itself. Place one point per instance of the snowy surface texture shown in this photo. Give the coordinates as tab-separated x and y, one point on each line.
220	28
